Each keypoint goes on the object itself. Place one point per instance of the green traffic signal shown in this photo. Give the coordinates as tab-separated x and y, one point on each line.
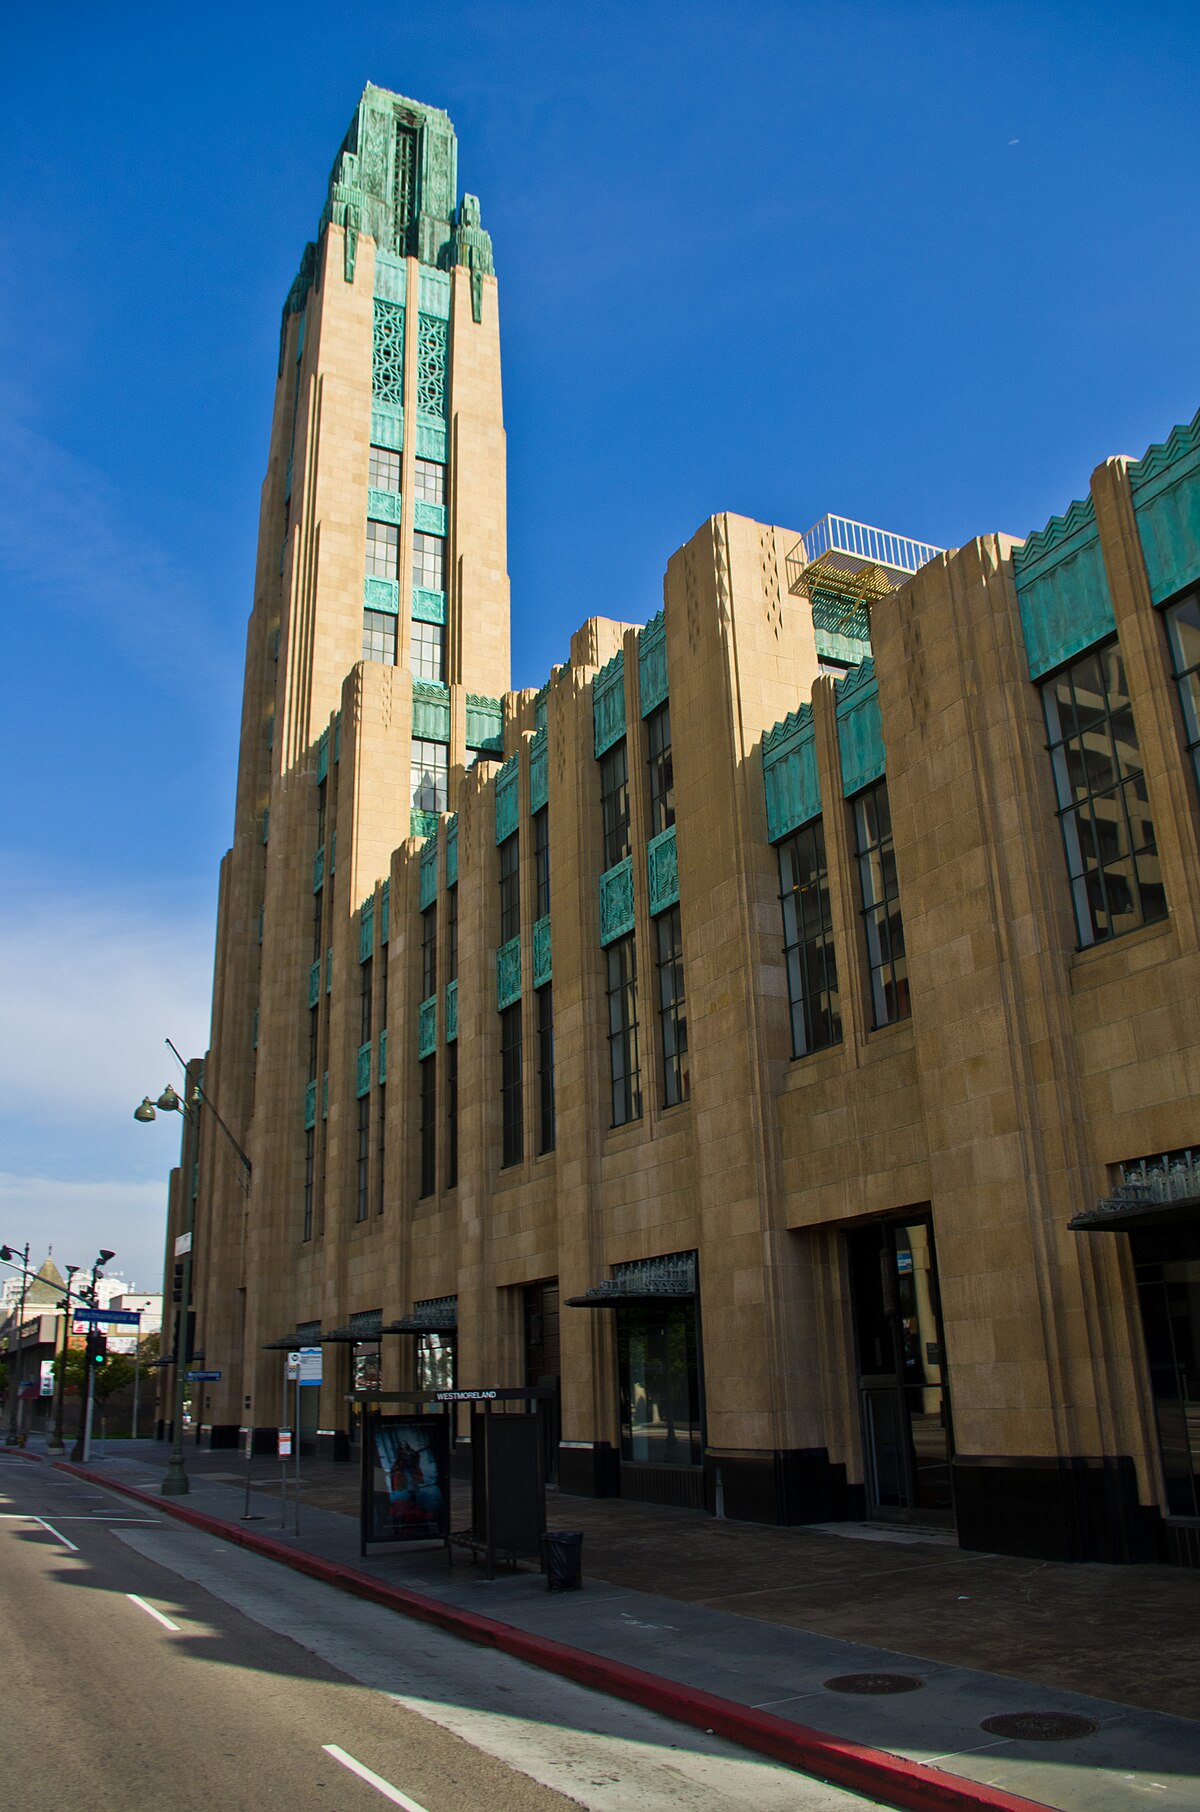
100	1352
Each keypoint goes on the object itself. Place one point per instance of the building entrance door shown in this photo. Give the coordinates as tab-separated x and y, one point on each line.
1167	1265
903	1400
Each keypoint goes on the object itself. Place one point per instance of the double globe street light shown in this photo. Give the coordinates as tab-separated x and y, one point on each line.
175	1482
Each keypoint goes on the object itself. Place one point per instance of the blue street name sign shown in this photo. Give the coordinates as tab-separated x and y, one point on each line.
203	1377
126	1318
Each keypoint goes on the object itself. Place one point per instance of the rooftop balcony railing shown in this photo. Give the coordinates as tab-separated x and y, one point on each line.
873	560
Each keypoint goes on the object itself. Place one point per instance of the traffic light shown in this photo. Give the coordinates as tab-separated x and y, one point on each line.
177	1282
99	1350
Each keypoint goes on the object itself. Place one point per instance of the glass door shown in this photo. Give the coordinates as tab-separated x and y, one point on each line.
1167	1265
901	1376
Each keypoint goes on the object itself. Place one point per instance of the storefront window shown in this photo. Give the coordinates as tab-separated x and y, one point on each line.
659	1380
435	1362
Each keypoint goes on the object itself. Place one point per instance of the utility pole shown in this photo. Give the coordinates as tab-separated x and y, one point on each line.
83	1440
12	1439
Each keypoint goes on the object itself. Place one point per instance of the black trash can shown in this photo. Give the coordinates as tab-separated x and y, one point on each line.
562	1557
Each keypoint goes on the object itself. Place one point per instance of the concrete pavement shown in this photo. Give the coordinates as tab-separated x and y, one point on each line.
771	1672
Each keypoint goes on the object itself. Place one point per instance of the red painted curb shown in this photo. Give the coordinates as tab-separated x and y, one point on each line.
911	1786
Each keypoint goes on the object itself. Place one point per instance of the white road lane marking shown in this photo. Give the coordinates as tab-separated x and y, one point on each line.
150	1610
372	1779
57	1534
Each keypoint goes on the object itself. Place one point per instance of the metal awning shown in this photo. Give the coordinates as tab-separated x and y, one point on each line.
650	1280
1163	1191
348	1337
287	1344
417	1324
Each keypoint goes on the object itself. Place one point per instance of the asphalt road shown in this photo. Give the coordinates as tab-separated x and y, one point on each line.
147	1663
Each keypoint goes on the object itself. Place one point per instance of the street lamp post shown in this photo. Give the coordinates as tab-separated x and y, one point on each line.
83	1440
56	1444
7	1253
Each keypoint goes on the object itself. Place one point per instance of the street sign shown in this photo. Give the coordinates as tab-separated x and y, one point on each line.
183	1245
202	1377
285	1443
464	1396
123	1318
304	1365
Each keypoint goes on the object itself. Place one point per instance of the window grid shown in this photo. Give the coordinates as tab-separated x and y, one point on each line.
541	860
662	770
429	561
1103	807
614	802
1183	632
381	1148
430	775
364	1028
384	474
510	1085
428	952
428	1126
364	1157
451	1115
879	892
808	946
672	1009
510	888
310	1143
624	1067
383	549
430	481
379	637
429	651
545	1037
452	933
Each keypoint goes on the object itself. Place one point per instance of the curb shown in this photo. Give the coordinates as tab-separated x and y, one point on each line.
910	1786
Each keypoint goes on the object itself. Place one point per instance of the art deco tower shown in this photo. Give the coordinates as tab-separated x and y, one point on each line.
377	651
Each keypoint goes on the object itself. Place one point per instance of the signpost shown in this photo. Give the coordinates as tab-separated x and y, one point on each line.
303	1369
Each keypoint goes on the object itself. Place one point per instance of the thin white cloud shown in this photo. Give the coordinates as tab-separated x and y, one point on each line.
76	1219
89	989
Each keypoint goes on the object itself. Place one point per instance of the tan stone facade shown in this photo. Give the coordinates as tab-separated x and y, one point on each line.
860	1292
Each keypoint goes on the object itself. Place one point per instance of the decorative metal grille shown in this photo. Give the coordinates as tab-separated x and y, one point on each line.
403	185
431	365
662	868
314	983
616	901
506	800
310	1106
451	1011
541	952
508	973
362	1078
427	1027
387	352
383	1057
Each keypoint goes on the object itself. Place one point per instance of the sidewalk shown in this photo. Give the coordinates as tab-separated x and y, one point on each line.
764	1617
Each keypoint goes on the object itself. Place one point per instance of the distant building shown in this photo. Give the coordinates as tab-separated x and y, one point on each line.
779	1029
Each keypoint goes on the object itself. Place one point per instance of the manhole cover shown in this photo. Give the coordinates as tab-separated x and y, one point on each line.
1039	1726
873	1683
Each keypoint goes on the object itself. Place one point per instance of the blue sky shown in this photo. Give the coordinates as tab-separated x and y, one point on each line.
924	264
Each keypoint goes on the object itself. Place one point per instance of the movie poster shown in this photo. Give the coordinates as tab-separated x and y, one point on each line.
409	1484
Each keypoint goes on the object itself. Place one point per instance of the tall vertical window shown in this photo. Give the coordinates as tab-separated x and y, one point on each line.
808	941
541	860
672	1009
428	651
510	888
879	892
452	933
430	481
361	1204
380	1147
322	792
624	1068
510	1084
451	1165
379	637
1183	631
614	803
428	952
661	770
545	1038
383	550
428	1125
429	561
430	775
381	1014
364	1025
312	1043
1103	809
310	1142
384	472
